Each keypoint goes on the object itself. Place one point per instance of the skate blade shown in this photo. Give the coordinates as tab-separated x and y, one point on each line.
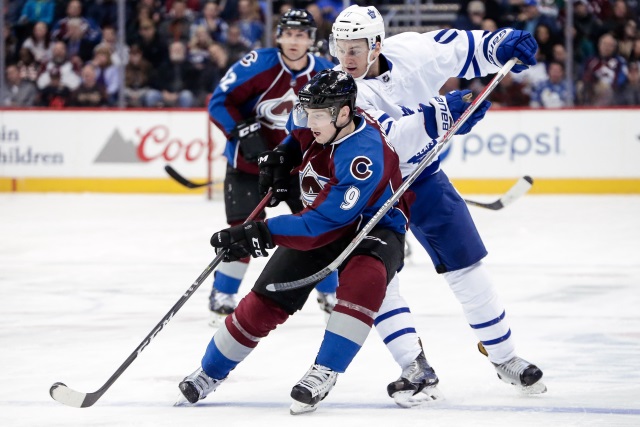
216	320
537	388
183	402
299	408
406	399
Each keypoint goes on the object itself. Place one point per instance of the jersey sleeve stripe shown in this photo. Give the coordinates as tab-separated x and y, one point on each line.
450	38
470	52
476	67
440	35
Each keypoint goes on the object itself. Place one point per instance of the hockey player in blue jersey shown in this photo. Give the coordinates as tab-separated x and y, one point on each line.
393	76
251	106
347	170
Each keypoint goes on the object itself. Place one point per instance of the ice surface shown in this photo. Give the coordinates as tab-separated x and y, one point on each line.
84	278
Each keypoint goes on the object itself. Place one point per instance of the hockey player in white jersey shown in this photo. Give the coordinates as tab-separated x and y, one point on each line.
394	75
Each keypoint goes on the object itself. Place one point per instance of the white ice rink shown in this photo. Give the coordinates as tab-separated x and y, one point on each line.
84	278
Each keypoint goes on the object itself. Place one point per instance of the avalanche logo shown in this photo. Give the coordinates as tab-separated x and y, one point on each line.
360	168
274	113
249	58
311	184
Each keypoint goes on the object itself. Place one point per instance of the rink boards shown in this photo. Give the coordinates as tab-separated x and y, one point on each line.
565	151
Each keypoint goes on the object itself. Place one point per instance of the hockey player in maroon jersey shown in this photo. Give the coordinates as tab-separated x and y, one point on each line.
251	106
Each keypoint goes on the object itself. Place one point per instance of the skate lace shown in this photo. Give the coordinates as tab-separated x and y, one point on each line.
515	366
317	379
203	382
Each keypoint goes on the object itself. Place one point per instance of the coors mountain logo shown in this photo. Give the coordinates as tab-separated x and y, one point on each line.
118	150
154	143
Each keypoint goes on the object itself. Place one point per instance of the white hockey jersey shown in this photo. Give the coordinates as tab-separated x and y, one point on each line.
419	64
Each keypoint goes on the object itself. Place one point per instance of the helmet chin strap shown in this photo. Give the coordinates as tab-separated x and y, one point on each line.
338	129
369	64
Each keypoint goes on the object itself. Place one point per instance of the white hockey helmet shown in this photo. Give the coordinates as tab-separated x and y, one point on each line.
358	22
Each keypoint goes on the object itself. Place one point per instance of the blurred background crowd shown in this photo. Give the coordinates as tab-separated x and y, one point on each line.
173	53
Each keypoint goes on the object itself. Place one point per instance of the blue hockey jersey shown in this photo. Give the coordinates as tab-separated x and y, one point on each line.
343	185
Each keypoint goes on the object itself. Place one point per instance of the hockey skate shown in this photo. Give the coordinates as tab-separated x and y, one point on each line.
197	386
220	306
417	384
311	389
326	302
523	375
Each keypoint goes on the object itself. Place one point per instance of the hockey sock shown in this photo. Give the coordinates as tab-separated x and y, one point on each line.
252	320
362	288
396	326
229	276
483	310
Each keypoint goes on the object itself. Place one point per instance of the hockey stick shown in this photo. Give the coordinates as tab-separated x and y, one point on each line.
276	287
184	181
518	190
77	399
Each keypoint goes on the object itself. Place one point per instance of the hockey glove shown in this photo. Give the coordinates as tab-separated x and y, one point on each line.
252	238
275	174
443	112
247	132
519	44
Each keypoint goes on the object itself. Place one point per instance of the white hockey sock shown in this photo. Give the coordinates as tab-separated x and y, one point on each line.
483	310
396	327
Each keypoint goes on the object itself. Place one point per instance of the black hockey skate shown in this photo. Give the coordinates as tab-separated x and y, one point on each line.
311	389
326	302
523	375
197	386
220	305
417	384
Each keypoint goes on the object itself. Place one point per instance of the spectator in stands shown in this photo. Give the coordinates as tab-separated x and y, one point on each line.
236	45
77	44
174	81
587	25
104	12
191	6
215	67
630	93
62	66
137	76
489	25
324	26
509	93
472	18
55	94
28	68
90	93
530	17
545	42
19	92
635	52
38	11
39	43
626	39
106	74
604	74
146	11
110	40
616	23
212	22
177	25
154	49
90	30
10	45
554	92
199	48
250	23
